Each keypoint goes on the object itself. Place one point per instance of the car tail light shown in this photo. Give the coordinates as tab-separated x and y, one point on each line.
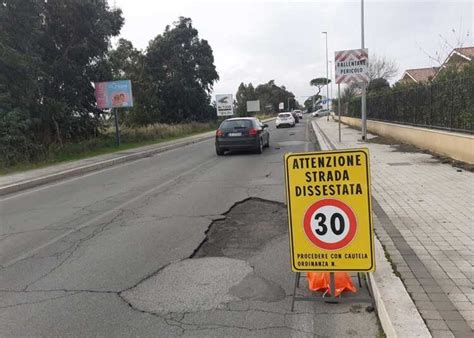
219	133
253	132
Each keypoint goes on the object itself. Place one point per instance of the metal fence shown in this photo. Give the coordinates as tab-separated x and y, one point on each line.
443	105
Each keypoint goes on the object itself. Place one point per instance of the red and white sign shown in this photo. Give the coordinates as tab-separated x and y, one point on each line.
330	224
352	65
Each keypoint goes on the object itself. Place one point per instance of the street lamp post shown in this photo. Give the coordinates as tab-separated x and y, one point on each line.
327	74
330	77
364	98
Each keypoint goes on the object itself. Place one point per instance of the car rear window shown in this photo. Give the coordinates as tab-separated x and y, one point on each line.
236	124
284	115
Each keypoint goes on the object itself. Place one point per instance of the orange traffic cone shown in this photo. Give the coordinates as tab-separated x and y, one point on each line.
319	281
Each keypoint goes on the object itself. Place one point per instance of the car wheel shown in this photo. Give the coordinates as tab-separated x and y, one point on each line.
219	151
259	149
277	127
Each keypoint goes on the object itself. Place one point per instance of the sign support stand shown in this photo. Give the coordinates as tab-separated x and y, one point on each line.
332	299
117	128
339	108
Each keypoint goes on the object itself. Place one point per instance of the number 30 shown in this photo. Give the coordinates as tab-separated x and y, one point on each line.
323	229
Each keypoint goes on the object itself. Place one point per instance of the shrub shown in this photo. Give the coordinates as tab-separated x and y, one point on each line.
16	141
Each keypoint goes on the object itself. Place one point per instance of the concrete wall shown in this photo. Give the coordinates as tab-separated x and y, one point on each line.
454	145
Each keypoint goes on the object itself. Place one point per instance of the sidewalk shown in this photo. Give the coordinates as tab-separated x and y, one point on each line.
32	178
423	216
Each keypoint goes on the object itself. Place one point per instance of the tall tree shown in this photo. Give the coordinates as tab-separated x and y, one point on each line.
319	83
244	94
182	72
310	102
378	85
381	67
20	58
270	95
124	60
75	41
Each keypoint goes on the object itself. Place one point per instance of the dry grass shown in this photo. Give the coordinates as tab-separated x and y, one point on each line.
105	143
264	116
160	131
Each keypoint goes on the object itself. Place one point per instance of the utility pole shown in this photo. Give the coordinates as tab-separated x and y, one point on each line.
330	78
327	74
364	98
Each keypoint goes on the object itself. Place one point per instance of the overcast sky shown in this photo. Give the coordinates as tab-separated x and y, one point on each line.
257	41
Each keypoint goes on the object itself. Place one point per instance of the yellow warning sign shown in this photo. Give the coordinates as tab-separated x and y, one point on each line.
329	210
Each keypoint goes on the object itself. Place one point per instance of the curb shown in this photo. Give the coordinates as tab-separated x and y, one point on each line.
35	182
397	313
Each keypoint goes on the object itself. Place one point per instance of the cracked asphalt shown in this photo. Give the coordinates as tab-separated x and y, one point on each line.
80	257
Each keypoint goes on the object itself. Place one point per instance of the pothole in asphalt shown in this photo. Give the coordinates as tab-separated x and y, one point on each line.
247	227
217	272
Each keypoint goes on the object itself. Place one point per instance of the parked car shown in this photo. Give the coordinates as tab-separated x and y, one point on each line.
321	112
242	133
285	119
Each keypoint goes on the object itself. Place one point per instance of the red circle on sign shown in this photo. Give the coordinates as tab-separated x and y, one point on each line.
338	204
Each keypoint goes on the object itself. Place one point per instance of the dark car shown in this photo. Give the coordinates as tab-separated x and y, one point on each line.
242	133
295	116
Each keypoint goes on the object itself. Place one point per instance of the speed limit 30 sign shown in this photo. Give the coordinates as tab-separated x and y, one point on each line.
330	224
329	211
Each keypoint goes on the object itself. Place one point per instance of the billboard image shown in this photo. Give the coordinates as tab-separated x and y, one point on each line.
253	106
114	94
225	105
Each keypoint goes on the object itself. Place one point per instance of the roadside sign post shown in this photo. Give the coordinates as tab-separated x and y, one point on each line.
329	214
339	109
117	130
225	105
113	95
353	66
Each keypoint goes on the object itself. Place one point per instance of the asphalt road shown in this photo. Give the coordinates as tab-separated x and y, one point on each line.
70	251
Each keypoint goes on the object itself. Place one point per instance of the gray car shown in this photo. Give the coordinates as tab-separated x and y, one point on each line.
242	133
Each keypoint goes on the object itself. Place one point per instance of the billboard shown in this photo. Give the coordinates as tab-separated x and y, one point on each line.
352	65
225	105
253	106
113	94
